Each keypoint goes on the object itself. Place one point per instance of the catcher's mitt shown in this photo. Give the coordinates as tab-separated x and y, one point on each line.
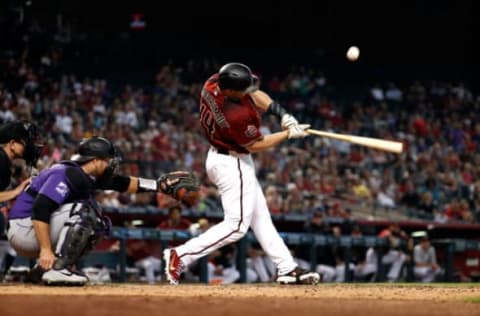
181	185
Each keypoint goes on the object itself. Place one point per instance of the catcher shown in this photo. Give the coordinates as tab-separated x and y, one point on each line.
57	220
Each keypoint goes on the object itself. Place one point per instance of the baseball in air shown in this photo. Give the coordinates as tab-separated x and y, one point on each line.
353	53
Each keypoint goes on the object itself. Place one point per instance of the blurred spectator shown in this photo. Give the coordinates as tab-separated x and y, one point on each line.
175	220
409	197
108	198
260	268
294	202
393	93
201	226
274	200
427	207
209	198
376	92
425	259
317	225
360	190
144	255
390	255
221	266
330	265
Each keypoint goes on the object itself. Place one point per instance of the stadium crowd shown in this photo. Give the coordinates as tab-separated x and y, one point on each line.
157	129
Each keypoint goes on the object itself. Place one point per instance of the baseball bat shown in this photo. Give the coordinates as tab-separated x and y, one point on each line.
381	144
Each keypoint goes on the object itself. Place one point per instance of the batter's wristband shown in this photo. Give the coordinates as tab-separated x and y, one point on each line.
276	109
147	185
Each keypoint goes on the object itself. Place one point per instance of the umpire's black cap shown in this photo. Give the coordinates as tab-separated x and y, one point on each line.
235	76
17	130
28	133
94	147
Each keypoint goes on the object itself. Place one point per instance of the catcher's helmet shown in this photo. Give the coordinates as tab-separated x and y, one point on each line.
94	147
235	76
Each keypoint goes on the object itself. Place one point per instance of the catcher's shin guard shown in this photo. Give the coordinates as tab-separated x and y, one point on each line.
80	234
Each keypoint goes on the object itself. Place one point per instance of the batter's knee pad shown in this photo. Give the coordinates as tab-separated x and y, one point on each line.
81	233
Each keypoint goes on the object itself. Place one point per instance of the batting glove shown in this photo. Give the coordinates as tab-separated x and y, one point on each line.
288	120
298	131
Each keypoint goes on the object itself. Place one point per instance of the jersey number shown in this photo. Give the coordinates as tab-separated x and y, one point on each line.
207	120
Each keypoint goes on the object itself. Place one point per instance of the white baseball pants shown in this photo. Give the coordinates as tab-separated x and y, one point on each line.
244	206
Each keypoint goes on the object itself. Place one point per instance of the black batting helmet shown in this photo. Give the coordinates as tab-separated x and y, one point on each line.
235	76
94	147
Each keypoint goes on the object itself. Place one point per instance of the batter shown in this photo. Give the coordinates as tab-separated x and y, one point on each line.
230	107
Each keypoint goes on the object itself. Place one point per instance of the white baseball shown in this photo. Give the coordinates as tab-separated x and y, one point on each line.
353	53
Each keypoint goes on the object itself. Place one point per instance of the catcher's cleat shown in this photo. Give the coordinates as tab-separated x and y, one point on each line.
173	266
299	276
35	275
63	277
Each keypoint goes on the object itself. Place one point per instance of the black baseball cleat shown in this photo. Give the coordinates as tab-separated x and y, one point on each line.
299	276
35	274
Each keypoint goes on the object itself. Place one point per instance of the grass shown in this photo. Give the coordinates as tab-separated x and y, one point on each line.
475	299
440	284
409	284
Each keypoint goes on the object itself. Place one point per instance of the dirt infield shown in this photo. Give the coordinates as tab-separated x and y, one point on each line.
245	300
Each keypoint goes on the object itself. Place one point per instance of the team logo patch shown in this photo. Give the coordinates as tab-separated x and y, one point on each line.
62	188
251	131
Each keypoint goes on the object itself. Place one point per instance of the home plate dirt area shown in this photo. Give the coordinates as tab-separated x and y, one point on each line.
245	300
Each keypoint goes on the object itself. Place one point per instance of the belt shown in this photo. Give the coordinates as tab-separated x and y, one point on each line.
227	152
223	151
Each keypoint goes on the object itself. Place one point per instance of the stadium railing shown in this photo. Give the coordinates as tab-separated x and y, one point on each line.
451	246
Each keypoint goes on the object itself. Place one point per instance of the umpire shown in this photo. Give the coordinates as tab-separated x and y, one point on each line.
17	140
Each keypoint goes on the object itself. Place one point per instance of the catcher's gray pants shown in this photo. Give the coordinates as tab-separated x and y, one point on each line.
21	233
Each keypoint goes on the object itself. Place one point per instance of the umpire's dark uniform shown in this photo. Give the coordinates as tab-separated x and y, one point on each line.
5	175
6	134
25	133
5	169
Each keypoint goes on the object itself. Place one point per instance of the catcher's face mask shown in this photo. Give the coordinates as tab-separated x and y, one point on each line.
113	163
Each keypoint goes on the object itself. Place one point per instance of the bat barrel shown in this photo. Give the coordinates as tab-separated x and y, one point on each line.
377	143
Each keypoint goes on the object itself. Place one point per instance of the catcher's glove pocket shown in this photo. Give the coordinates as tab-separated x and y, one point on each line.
181	185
